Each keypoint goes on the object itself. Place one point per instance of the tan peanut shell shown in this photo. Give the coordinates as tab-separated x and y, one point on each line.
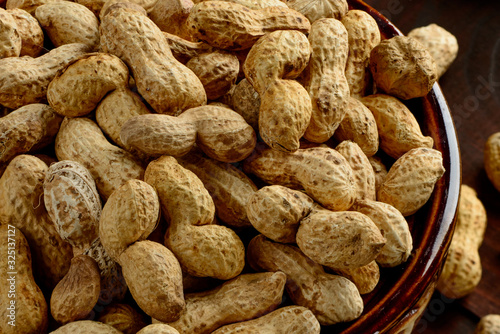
94	5
123	317
410	181
362	169
331	298
10	39
167	85
76	294
442	45
256	4
365	277
171	15
246	101
27	129
359	126
154	278
73	203
86	327
242	298
276	212
69	22
220	132
130	214
393	227
322	172
28	5
315	10
380	170
364	35
22	205
158	329
286	320
229	187
25	79
183	49
234	27
81	140
30	32
202	247
492	159
144	6
489	324
217	71
403	67
29	311
324	78
397	127
343	240
78	89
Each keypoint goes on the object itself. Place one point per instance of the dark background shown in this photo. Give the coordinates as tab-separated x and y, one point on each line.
472	89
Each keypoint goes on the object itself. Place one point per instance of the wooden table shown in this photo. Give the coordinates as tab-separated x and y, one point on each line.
472	89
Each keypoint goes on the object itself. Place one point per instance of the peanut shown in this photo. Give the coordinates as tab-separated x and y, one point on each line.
325	79
95	6
81	140
489	324
30	308
123	317
220	132
183	50
25	79
235	27
246	102
331	298
403	67
30	32
10	39
365	277
28	5
492	159
86	327
76	294
286	320
315	10
285	108
410	181
380	170
158	329
171	15
144	6
167	85
242	298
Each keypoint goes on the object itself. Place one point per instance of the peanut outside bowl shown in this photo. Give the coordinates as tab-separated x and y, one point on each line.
404	292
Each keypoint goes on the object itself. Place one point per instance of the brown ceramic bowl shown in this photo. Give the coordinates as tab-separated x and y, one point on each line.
404	291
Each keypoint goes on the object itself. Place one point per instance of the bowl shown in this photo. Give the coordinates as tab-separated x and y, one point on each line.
403	292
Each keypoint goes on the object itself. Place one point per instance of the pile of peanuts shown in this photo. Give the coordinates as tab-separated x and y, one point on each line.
154	136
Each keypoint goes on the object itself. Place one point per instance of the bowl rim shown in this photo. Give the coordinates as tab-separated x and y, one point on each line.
425	264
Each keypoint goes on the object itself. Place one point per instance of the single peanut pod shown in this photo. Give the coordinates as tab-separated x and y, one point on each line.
26	79
331	298
242	298
76	294
234	27
130	214
276	212
154	278
325	78
217	71
78	89
365	277
30	32
315	10
167	85
158	329
28	5
489	324
229	187
471	216
393	227
246	101
86	327
256	4
143	6
202	247
364	35
411	179
359	126
398	129
492	159
171	15
403	67
69	22
26	129
364	175
286	320
322	172
10	38
379	169
442	45
81	140
73	203
123	317
342	240
21	205
23	307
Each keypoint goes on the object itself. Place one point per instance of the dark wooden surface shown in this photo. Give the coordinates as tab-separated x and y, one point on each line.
472	89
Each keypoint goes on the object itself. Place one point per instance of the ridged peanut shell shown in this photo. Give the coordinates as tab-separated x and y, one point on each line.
365	278
246	101
315	10
489	324
492	159
158	329
86	327
28	5
183	49
154	278
30	31
171	15
286	320
379	169
411	179
471	216
10	39
123	317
